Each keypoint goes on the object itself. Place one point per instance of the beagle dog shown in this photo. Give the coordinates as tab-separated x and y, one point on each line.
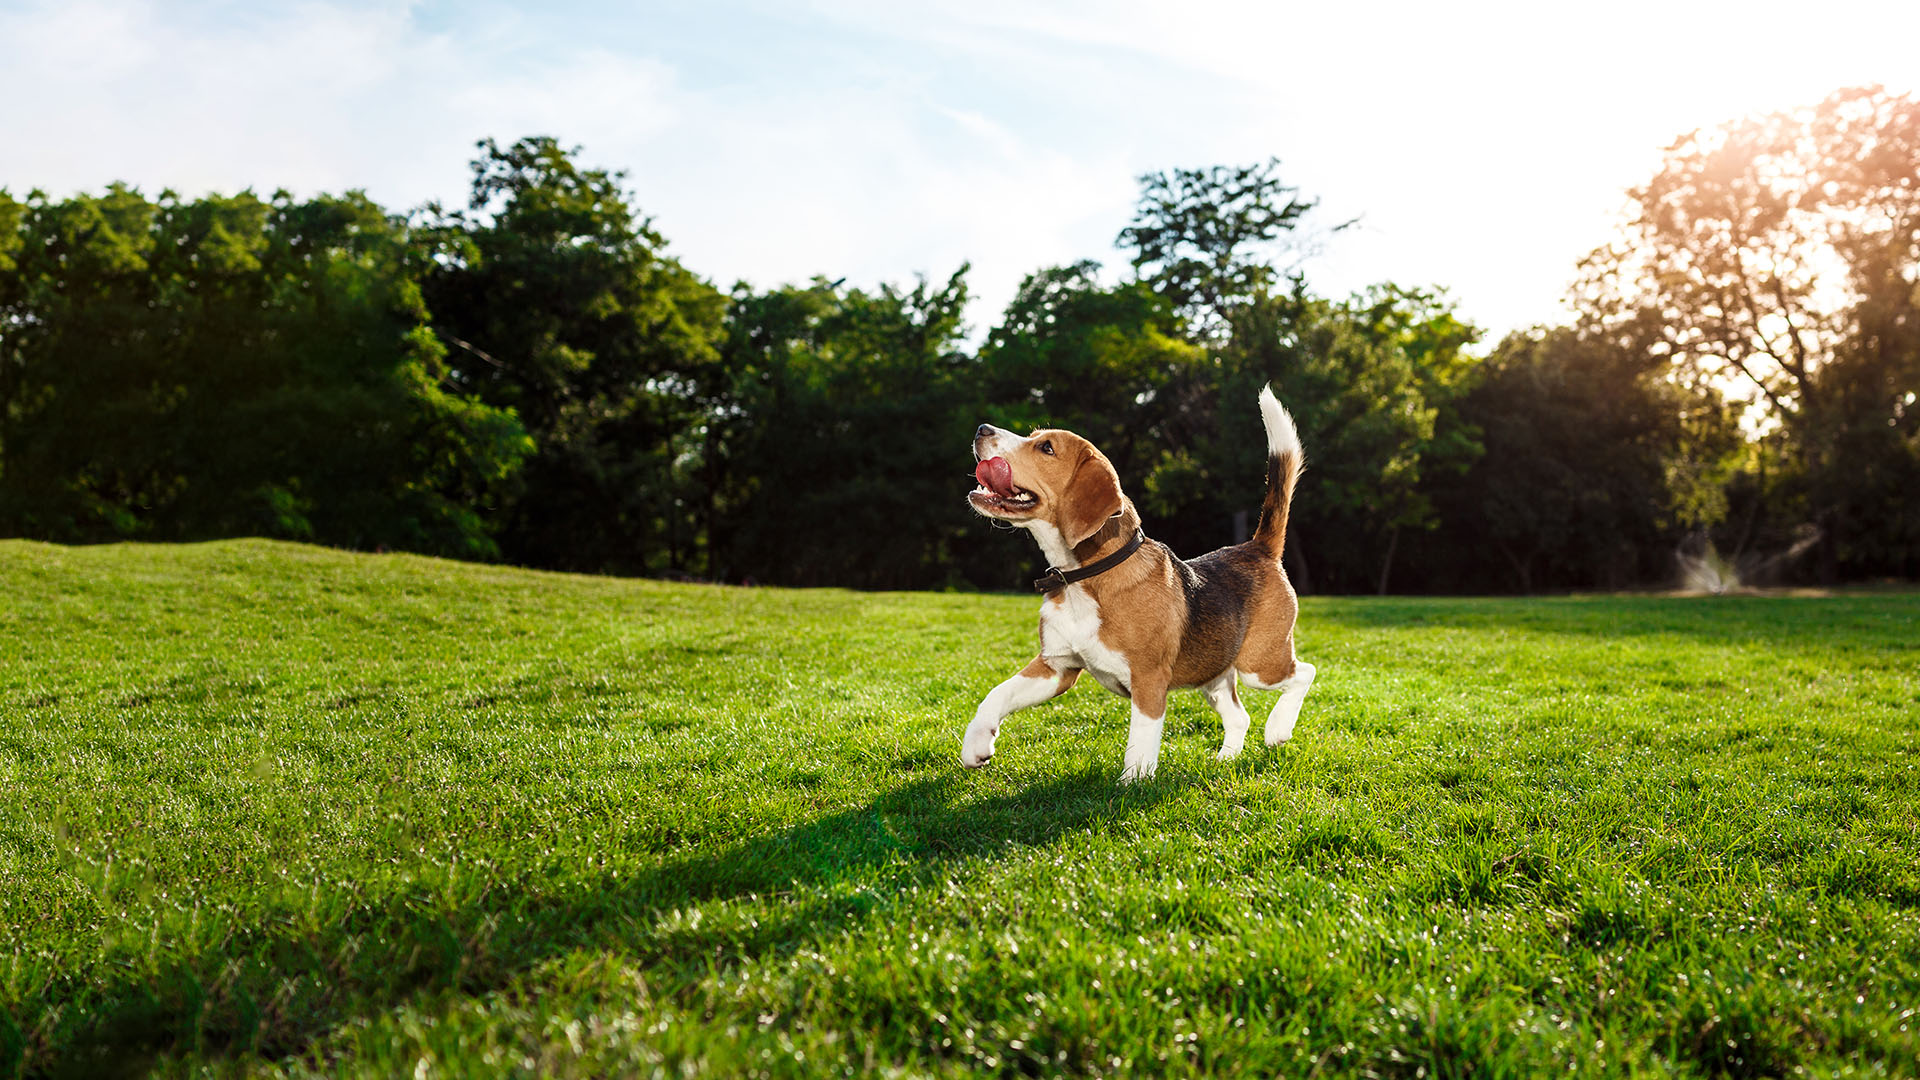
1126	610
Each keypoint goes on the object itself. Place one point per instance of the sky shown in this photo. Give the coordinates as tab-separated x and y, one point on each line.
1483	148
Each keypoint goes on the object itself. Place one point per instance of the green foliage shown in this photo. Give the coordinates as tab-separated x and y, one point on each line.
1780	255
276	810
1592	472
1202	237
562	305
1109	363
1371	383
848	462
181	370
1873	142
534	377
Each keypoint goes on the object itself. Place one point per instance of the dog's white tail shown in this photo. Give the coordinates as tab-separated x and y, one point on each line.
1285	461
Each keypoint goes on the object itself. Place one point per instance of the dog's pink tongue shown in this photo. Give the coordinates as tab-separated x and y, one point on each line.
996	474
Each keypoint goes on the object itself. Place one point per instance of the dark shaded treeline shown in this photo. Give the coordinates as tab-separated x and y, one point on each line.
532	377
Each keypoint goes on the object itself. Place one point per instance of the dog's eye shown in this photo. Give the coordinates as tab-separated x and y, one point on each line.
1047	447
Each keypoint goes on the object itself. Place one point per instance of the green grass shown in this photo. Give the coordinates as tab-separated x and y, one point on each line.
272	810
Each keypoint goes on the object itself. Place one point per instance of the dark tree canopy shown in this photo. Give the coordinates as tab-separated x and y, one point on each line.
533	376
232	366
560	303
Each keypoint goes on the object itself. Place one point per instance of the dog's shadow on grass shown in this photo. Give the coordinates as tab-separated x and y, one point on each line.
271	990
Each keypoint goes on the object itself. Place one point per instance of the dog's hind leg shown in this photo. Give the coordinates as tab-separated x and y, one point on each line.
1037	682
1293	691
1223	694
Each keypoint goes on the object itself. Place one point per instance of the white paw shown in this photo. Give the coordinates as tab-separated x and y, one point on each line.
1226	753
976	749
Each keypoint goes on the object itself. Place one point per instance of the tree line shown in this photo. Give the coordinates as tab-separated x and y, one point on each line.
533	377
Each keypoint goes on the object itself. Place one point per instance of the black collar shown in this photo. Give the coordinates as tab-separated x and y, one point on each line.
1060	579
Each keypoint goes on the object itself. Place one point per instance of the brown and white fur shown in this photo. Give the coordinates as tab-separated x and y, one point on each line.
1154	623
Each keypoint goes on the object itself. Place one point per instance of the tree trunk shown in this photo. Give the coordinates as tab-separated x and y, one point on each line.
1522	570
671	507
713	482
1814	429
1829	524
1386	564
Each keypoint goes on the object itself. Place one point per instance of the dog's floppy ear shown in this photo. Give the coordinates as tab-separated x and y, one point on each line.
1093	496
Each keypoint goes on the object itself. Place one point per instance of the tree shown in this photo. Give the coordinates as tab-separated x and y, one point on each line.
234	366
1109	363
1776	256
12	329
1595	467
1204	238
1869	142
1371	382
560	302
848	463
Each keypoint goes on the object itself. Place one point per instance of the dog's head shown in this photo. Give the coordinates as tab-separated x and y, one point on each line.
1051	476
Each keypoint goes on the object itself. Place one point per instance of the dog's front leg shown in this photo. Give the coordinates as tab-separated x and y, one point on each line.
1148	723
1037	682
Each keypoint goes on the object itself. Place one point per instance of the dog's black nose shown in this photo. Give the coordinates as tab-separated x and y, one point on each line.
983	431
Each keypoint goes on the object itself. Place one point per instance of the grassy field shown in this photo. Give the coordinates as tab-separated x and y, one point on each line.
273	810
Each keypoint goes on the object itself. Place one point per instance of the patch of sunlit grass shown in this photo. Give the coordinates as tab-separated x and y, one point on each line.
281	810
